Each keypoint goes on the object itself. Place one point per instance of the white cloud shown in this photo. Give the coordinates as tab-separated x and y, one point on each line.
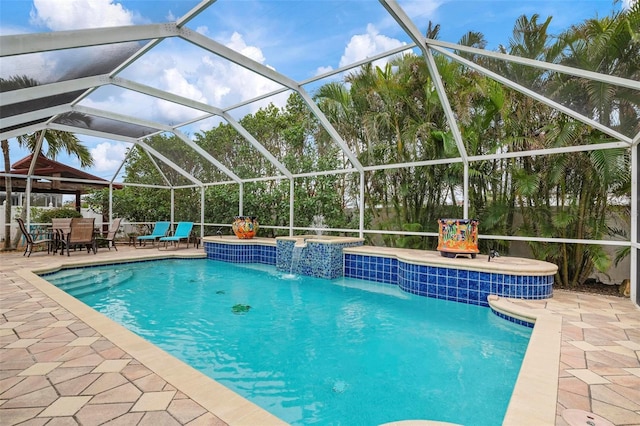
364	46
177	68
174	81
59	15
157	69
75	14
420	12
214	77
202	29
421	8
205	125
35	65
192	73
626	4
107	156
238	44
322	70
225	83
11	30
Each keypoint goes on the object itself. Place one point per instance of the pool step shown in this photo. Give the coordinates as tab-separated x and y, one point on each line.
99	283
105	283
85	279
68	277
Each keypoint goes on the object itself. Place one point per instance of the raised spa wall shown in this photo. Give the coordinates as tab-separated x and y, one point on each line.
420	272
313	255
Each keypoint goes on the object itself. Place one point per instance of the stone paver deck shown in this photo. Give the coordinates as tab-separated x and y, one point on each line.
599	368
63	364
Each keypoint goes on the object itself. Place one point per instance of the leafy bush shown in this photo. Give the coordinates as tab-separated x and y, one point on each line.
45	216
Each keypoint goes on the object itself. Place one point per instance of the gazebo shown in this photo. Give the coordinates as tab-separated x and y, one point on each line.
53	177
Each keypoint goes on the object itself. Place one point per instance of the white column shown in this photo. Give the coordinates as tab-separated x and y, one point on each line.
291	204
361	218
173	196
635	243
201	211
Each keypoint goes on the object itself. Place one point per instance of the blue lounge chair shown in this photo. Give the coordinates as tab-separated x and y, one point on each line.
183	231
160	229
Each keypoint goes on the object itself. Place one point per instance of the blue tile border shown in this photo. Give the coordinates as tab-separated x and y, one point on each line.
372	268
440	282
513	319
240	253
471	287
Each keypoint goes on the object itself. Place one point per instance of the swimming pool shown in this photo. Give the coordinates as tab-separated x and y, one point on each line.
311	350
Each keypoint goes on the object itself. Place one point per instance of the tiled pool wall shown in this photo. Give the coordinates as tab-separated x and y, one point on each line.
514	320
327	261
241	253
316	259
459	285
372	268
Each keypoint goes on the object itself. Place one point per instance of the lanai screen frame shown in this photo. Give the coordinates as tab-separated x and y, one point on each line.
31	43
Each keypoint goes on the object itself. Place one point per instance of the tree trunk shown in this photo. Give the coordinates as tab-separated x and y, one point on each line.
7	209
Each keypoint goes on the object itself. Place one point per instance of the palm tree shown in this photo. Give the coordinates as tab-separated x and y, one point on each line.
610	46
566	195
57	142
607	45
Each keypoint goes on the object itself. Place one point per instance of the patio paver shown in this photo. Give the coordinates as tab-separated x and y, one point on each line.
599	364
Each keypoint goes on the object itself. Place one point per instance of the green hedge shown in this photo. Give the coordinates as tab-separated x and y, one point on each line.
45	216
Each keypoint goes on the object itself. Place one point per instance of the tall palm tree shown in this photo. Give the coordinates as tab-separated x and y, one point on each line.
611	46
57	142
608	45
566	195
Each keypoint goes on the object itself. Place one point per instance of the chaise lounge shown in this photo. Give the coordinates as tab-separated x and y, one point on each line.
160	230
183	231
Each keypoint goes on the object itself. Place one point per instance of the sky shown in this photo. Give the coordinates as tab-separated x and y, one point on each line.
298	38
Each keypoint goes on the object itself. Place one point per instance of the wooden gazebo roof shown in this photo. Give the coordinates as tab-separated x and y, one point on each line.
46	167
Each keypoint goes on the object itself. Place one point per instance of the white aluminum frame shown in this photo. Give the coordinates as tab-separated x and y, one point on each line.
42	42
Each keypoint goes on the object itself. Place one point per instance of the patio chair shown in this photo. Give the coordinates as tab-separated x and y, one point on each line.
160	229
81	234
110	238
33	239
60	228
183	232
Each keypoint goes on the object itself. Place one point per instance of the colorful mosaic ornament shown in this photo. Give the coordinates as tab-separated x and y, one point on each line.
245	227
458	236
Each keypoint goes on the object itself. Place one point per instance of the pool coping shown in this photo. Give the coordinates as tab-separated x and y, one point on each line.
534	395
321	239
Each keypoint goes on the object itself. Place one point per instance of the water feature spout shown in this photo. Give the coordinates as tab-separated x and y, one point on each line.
318	224
296	255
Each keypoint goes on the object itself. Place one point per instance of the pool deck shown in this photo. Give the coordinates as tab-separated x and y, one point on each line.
61	363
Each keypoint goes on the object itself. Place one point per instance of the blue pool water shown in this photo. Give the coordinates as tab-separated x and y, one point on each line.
314	351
